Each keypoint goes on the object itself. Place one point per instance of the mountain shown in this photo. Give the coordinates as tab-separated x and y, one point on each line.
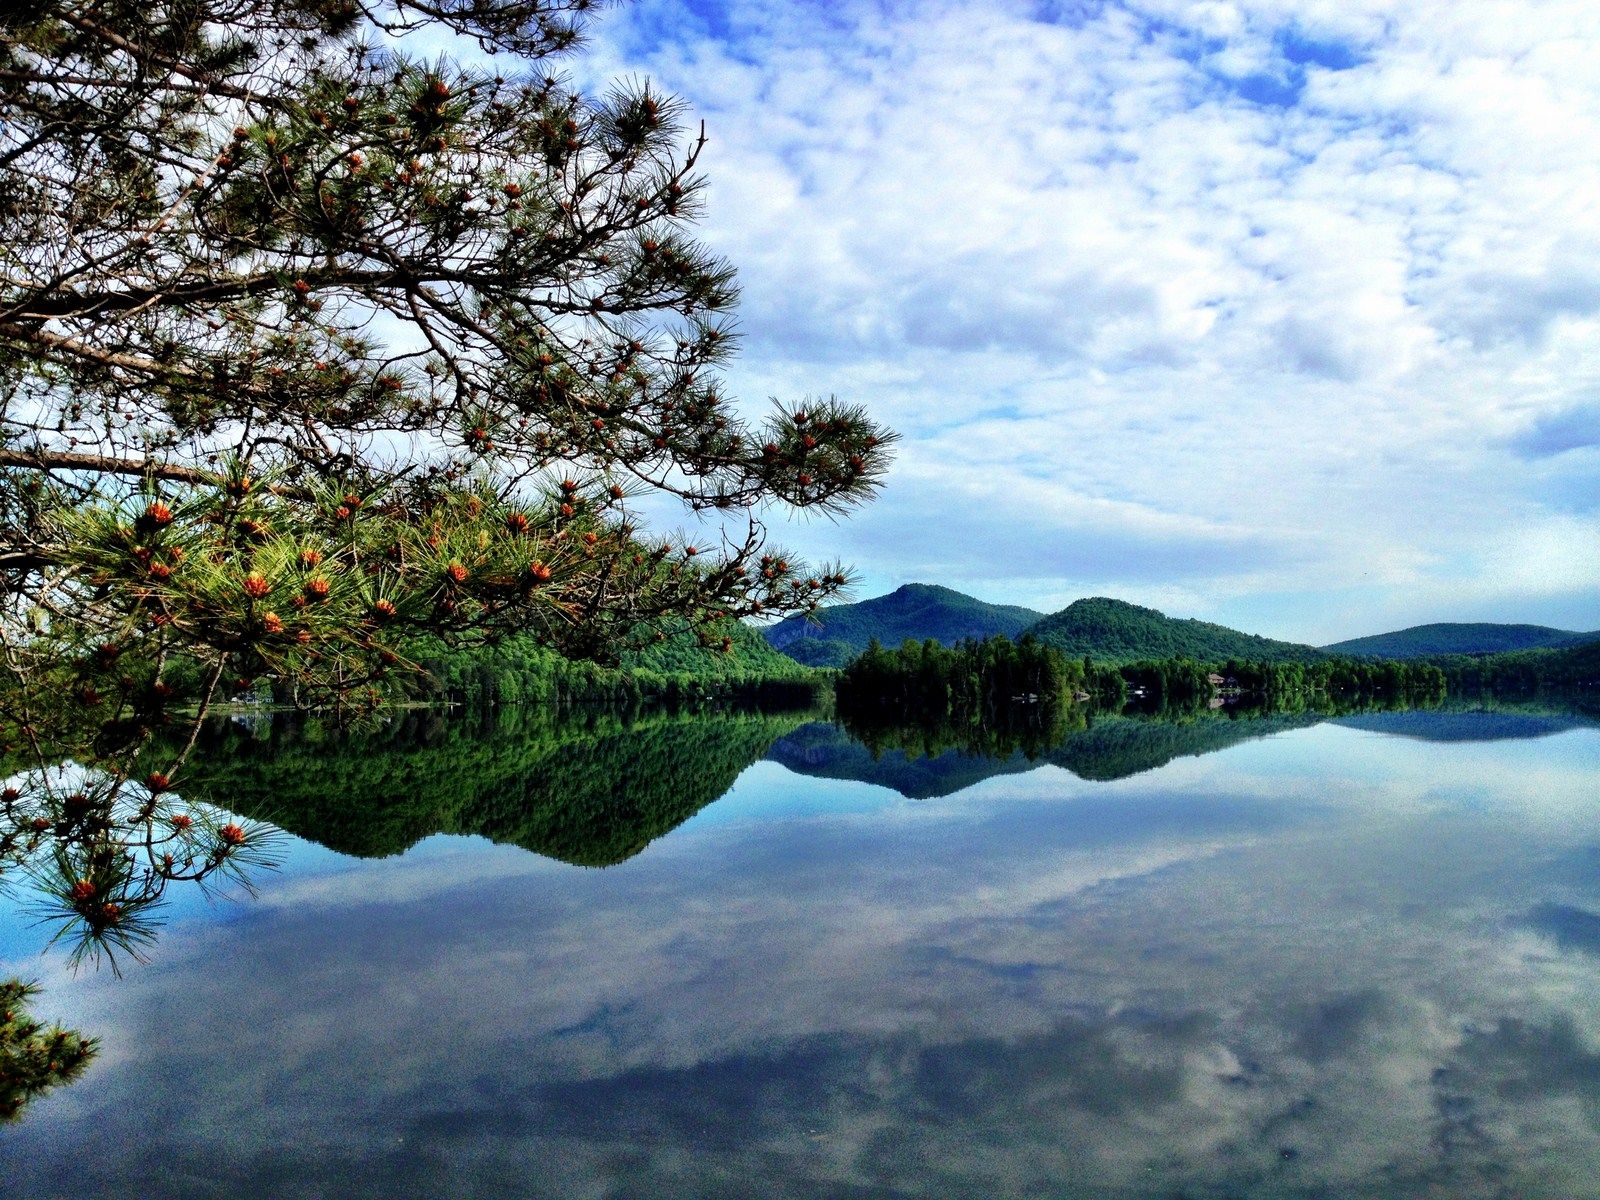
1424	641
1114	631
918	610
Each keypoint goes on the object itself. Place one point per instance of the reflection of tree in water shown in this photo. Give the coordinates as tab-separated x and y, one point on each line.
96	852
1116	747
33	1057
592	789
1027	729
927	757
90	847
826	751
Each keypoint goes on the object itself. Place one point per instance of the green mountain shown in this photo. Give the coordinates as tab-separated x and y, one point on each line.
918	611
1426	641
1114	631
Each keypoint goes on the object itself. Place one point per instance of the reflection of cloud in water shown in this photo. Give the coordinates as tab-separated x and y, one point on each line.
1124	991
1570	928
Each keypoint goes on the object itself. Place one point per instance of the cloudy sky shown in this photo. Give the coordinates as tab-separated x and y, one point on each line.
1278	313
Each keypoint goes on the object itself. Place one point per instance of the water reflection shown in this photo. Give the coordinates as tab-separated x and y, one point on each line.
592	788
1326	962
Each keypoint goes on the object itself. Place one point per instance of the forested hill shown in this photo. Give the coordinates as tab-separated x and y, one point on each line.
1524	670
1114	631
519	671
918	610
1424	641
748	654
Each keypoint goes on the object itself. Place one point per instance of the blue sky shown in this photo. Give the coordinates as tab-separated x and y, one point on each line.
1284	314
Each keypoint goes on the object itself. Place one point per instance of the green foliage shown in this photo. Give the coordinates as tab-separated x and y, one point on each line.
1183	679
835	634
1431	641
1576	667
1117	746
677	669
820	652
972	680
1113	631
737	651
34	1057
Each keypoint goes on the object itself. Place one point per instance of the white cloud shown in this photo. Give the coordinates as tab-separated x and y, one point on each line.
1101	258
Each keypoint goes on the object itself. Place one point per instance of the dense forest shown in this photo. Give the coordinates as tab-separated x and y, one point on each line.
1185	679
737	665
976	681
1570	668
971	679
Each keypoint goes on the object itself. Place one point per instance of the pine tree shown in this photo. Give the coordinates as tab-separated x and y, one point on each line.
310	347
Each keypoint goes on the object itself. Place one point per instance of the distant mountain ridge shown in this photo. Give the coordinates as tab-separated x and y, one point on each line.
1482	637
1114	631
917	610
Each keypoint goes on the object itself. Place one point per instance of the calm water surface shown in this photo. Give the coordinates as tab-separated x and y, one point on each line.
1350	958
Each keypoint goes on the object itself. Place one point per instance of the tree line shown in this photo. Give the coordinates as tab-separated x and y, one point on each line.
969	679
983	679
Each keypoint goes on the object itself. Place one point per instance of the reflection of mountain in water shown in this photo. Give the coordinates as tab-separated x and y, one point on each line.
597	788
1470	725
925	761
916	763
591	791
826	751
1117	747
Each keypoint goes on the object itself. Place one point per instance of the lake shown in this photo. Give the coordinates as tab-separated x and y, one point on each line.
740	956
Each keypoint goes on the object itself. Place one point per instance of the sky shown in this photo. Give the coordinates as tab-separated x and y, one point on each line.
1280	313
